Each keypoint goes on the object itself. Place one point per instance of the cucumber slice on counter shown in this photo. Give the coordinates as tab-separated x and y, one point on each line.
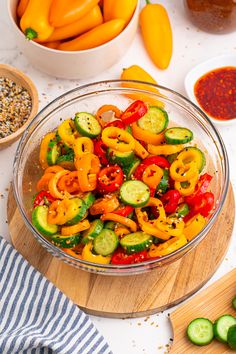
87	124
155	120
65	241
135	193
39	220
79	209
200	331
96	227
130	169
221	327
120	158
106	242
136	242
53	152
178	135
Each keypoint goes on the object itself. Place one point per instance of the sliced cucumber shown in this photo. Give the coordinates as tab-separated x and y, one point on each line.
234	302
66	161
96	227
197	156
178	135
231	337
171	158
106	242
130	169
53	152
135	193
128	129
78	211
155	120
221	327
109	225
164	182
136	242
87	124
120	158
65	241
39	220
200	331
182	210
89	199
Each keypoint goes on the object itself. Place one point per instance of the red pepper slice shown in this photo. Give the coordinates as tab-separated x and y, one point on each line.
156	160
201	188
135	111
204	203
100	150
170	200
43	198
119	257
110	179
116	123
124	211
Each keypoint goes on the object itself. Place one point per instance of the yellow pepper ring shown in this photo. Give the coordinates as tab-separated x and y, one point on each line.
140	151
164	149
75	229
118	139
181	173
145	135
44	148
155	202
66	131
152	175
52	185
189	189
120	219
166	226
188	155
167	247
194	226
82	146
87	255
55	214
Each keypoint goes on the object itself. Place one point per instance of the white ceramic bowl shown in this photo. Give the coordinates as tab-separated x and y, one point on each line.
200	70
79	64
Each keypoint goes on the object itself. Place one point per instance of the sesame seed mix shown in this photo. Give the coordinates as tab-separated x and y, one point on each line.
15	106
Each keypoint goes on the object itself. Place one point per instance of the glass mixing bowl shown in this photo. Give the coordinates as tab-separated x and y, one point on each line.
89	98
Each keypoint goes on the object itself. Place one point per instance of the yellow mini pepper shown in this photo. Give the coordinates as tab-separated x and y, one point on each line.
83	145
146	136
164	149
67	132
124	9
167	247
194	226
44	148
118	139
87	255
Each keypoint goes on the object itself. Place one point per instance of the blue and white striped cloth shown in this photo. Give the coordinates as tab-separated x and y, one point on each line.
35	317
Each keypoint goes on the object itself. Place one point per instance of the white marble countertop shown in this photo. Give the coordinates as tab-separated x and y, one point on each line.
142	335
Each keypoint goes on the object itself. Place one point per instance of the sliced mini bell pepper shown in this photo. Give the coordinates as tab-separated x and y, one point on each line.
70	183
88	166
83	145
203	204
167	247
193	226
120	231
170	226
186	188
156	160
52	185
89	256
119	257
134	112
57	212
152	176
100	150
107	109
140	150
110	179
116	123
170	200
118	139
147	136
181	172
107	204
44	149
67	132
163	149
120	219
42	184
201	187
43	198
53	169
124	211
75	229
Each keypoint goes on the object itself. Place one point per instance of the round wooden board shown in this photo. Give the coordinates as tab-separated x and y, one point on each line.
129	296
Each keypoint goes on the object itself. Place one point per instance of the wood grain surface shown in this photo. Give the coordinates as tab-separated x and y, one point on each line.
129	296
211	303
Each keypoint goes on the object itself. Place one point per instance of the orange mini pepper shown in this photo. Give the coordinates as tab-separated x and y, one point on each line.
146	136
104	205
75	229
69	183
107	109
42	184
152	176
21	7
52	185
124	9
88	166
53	169
140	151
120	219
83	145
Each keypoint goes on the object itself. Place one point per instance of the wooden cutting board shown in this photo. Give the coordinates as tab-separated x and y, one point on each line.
129	296
210	303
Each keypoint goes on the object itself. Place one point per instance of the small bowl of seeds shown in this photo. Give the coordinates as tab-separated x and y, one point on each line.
18	104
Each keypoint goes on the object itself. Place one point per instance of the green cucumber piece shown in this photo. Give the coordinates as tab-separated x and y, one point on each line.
89	199
200	331
65	241
178	135
200	157
182	210
109	225
171	158
234	302
66	161
53	152
130	169
231	337
136	242
79	210
96	227
155	120
221	327
106	242
120	158
164	182
129	129
39	220
134	193
87	124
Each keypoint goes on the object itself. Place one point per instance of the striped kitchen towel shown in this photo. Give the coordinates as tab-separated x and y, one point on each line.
35	317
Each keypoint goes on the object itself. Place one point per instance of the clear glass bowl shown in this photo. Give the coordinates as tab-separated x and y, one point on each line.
89	98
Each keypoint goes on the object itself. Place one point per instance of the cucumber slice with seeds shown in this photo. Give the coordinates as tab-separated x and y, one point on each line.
65	241
89	199
78	210
135	193
221	327
136	242
39	220
120	158
130	169
87	124
96	227
200	331
155	120
106	242
53	152
178	135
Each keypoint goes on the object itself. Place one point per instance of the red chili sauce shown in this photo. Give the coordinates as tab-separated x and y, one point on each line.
216	93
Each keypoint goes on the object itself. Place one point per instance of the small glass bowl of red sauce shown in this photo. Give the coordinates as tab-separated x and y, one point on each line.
212	86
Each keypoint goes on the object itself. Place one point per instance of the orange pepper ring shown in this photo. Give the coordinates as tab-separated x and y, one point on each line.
107	108
152	175
120	219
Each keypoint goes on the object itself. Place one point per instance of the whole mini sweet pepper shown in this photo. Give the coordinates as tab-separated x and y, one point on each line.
124	9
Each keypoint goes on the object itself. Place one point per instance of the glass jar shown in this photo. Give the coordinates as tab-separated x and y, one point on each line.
214	16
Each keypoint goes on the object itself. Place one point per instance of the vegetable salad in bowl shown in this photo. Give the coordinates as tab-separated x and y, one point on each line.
119	186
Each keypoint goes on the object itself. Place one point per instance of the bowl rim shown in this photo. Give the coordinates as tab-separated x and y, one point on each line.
34	98
104	268
203	68
84	51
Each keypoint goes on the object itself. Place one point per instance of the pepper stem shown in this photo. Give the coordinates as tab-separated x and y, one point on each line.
30	33
148	2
